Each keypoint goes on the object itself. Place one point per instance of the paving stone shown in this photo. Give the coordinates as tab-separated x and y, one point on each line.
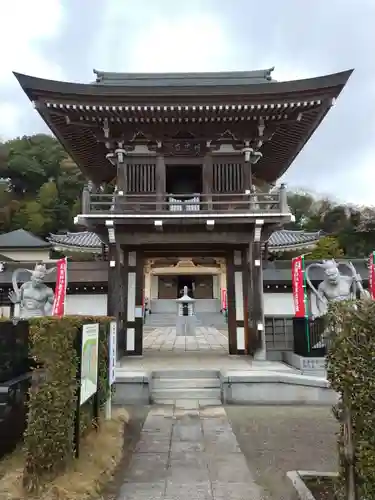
187	433
213	412
147	467
205	338
235	491
153	443
179	412
158	424
142	491
188	490
182	473
188	457
162	411
178	447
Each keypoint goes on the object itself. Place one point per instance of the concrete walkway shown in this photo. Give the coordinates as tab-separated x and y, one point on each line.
165	339
187	454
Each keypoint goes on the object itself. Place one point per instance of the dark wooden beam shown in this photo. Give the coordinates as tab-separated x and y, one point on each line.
189	239
231	303
160	181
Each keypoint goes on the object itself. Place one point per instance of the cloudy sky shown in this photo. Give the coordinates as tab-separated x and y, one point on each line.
66	39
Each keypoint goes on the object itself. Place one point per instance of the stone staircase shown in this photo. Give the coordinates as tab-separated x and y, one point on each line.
160	320
169	386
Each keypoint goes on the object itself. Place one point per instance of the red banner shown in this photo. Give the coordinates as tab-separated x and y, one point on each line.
371	275
223	299
58	308
298	286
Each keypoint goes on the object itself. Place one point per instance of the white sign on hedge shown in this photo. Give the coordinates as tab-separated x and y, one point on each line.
112	352
89	361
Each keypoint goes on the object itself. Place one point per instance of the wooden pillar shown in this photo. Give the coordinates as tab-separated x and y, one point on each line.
237	286
113	280
247	175
246	299
207	179
257	306
160	181
122	170
239	301
133	310
115	294
231	303
147	280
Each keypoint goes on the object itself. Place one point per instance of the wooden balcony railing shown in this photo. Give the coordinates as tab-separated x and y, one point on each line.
255	203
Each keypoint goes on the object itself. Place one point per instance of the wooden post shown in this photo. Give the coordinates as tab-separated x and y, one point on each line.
284	207
247	175
256	272
85	200
231	304
122	169
113	277
207	179
160	182
133	314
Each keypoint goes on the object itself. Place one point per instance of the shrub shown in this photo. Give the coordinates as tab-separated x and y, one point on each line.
49	437
351	372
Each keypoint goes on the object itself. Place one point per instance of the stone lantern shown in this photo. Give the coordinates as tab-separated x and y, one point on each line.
186	320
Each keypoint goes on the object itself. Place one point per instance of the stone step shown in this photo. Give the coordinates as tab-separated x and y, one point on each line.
203	319
193	393
185	374
201	403
191	383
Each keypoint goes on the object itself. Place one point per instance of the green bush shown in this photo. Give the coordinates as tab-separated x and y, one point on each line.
49	437
351	372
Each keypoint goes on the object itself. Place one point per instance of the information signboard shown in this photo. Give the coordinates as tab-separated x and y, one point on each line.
89	361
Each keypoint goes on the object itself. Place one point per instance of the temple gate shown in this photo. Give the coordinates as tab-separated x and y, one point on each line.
185	165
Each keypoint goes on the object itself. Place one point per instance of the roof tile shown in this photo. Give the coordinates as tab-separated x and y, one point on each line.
279	239
22	239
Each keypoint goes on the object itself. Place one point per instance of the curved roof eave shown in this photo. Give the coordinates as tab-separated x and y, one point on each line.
35	87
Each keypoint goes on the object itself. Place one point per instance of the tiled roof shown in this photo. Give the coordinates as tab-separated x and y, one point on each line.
21	239
283	239
84	240
287	239
184	79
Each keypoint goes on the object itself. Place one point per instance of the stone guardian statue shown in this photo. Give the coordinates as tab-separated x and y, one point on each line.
335	285
34	297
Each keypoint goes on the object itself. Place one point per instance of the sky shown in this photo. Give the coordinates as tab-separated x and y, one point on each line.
67	39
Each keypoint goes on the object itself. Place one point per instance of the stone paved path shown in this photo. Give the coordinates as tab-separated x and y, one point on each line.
165	339
188	455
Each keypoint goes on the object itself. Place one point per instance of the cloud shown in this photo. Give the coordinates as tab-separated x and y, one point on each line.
158	37
25	27
300	39
10	115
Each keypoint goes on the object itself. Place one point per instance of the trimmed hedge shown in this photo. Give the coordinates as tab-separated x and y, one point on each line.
351	372
49	437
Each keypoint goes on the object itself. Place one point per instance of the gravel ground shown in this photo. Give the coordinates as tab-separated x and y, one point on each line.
277	439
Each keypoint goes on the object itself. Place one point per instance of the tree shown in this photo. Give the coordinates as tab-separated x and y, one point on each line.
301	205
326	248
30	218
41	186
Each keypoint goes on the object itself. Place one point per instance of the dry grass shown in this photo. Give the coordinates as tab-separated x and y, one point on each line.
100	453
